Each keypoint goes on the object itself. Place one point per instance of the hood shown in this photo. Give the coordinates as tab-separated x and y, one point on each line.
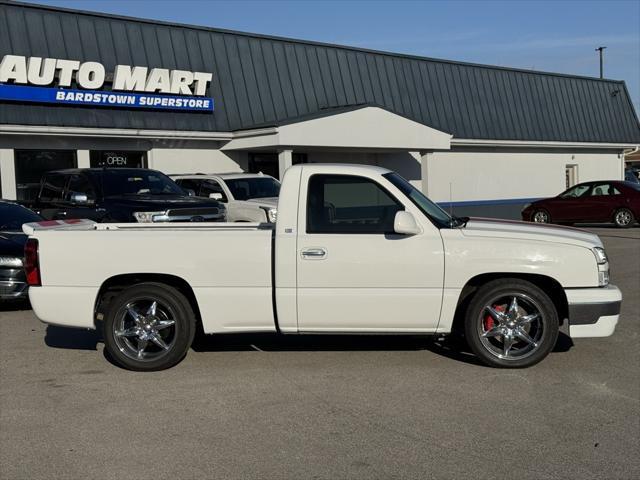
12	244
162	202
270	202
488	227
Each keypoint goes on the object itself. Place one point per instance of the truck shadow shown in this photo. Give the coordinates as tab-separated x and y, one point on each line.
72	338
451	347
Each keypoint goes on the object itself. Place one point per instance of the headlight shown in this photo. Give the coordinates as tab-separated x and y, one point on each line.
272	214
10	262
601	255
146	217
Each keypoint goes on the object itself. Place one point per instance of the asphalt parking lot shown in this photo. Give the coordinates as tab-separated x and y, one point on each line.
324	407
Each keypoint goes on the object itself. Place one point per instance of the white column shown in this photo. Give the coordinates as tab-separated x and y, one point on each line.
423	161
83	159
7	174
424	167
285	160
150	160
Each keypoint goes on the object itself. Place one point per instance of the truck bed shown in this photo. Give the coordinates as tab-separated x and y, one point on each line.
227	266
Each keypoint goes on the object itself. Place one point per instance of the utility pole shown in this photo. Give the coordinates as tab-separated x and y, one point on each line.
601	51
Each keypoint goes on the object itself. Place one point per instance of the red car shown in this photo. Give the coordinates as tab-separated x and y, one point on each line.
590	202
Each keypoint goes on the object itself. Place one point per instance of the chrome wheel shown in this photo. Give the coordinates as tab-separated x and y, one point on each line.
145	329
511	327
541	216
623	218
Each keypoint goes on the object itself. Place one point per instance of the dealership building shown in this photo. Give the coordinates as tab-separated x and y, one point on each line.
83	89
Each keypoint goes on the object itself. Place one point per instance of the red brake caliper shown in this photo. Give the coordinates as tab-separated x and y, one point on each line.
489	321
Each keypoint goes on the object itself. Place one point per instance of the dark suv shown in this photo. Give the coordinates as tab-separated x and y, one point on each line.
121	195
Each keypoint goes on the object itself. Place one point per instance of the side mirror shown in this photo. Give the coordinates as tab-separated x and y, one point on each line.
79	198
216	196
190	192
405	224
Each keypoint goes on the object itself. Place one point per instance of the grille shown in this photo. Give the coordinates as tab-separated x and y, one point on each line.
193	212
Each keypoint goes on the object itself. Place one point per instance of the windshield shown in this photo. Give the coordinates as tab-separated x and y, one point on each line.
575	192
138	182
420	200
635	186
13	216
253	187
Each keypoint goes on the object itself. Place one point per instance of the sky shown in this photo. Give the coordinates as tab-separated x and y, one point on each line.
546	35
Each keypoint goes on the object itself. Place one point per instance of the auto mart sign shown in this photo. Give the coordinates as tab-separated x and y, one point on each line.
30	79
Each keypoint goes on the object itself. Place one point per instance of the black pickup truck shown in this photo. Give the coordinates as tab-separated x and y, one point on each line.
120	195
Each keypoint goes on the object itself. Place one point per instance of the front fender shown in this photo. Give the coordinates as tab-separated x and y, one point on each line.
572	266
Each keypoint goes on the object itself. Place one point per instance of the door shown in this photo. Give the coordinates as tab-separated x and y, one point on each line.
602	202
353	273
570	205
51	199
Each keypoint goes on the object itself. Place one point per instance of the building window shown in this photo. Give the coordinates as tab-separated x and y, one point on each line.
267	163
117	159
31	165
571	175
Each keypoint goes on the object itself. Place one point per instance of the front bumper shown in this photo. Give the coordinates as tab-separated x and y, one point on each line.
13	290
13	284
593	312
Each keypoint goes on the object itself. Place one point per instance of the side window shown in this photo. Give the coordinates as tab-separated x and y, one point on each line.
211	186
52	188
81	184
577	191
189	184
349	204
603	189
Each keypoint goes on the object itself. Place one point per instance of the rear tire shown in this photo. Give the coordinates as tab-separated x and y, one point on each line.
148	327
540	216
623	218
511	323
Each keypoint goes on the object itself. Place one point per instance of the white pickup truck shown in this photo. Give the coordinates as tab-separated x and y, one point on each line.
355	249
248	197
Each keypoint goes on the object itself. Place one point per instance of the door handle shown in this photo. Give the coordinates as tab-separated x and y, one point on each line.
314	253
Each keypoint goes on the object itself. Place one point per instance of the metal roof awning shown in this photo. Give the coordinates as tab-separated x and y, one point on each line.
363	127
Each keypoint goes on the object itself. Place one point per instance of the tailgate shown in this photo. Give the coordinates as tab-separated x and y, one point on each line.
73	224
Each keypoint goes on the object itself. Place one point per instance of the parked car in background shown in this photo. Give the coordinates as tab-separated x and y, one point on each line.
121	195
631	175
13	281
590	202
248	197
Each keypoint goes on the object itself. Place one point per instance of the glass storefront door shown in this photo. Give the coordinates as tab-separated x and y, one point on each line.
267	163
117	159
30	165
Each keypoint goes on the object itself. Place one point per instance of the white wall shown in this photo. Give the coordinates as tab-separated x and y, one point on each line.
178	160
497	175
401	162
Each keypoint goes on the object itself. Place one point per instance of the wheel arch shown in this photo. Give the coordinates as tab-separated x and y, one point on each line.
548	284
114	285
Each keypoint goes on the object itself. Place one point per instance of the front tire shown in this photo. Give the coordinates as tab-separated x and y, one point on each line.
148	327
540	216
623	218
511	323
